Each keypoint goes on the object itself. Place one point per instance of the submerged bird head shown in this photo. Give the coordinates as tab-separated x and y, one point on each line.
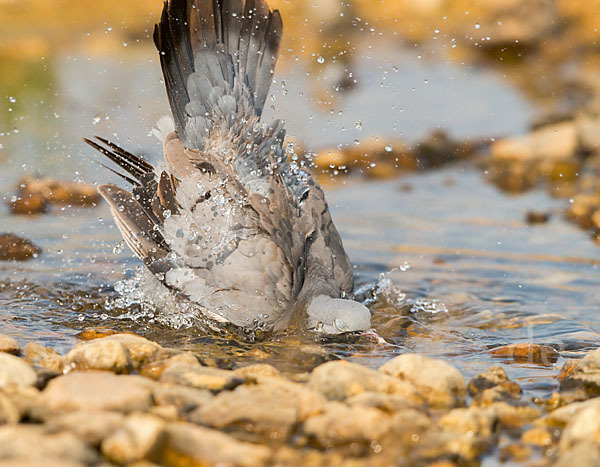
337	315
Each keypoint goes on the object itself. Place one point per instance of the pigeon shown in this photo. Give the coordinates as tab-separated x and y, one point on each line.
229	224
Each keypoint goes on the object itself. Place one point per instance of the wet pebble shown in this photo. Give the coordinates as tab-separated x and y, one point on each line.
441	383
526	352
58	192
13	248
120	353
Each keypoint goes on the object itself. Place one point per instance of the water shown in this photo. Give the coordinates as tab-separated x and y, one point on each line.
459	271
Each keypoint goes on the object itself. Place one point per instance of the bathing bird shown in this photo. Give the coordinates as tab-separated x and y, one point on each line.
228	224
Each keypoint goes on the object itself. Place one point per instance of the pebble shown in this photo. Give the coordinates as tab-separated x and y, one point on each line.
183	398
15	371
134	440
92	426
583	426
13	248
438	381
190	445
157	366
488	379
530	353
120	353
30	442
37	354
199	377
340	380
585	375
471	421
9	345
340	424
9	414
59	192
95	390
271	410
538	437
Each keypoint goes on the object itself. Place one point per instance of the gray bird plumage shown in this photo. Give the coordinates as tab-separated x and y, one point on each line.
231	225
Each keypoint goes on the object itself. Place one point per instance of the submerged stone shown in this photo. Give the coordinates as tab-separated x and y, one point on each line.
200	377
13	248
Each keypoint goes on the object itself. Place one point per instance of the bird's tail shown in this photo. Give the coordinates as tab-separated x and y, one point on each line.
217	58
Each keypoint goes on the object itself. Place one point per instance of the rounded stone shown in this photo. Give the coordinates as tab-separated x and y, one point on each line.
441	383
15	371
95	390
9	345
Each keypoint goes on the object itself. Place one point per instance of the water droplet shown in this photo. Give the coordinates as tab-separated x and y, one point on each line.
389	148
167	213
477	25
356	142
125	44
320	59
12	100
96	120
358	125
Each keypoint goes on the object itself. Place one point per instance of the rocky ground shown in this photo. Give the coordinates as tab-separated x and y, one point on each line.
124	400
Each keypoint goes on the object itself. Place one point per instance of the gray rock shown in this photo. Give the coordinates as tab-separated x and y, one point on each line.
439	382
91	426
30	442
138	438
15	371
200	377
95	390
9	345
340	380
340	424
187	444
271	410
37	354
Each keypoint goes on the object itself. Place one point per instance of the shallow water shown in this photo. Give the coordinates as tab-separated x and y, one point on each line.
459	271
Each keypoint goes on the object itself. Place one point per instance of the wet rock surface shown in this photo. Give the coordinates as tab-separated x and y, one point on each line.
413	411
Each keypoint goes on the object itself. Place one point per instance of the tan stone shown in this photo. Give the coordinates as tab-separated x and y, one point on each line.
136	439
30	442
439	382
13	248
92	426
9	345
200	377
340	424
15	371
257	371
37	354
340	380
538	437
9	414
272	409
155	368
191	445
99	355
553	142
95	390
471	421
584	426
